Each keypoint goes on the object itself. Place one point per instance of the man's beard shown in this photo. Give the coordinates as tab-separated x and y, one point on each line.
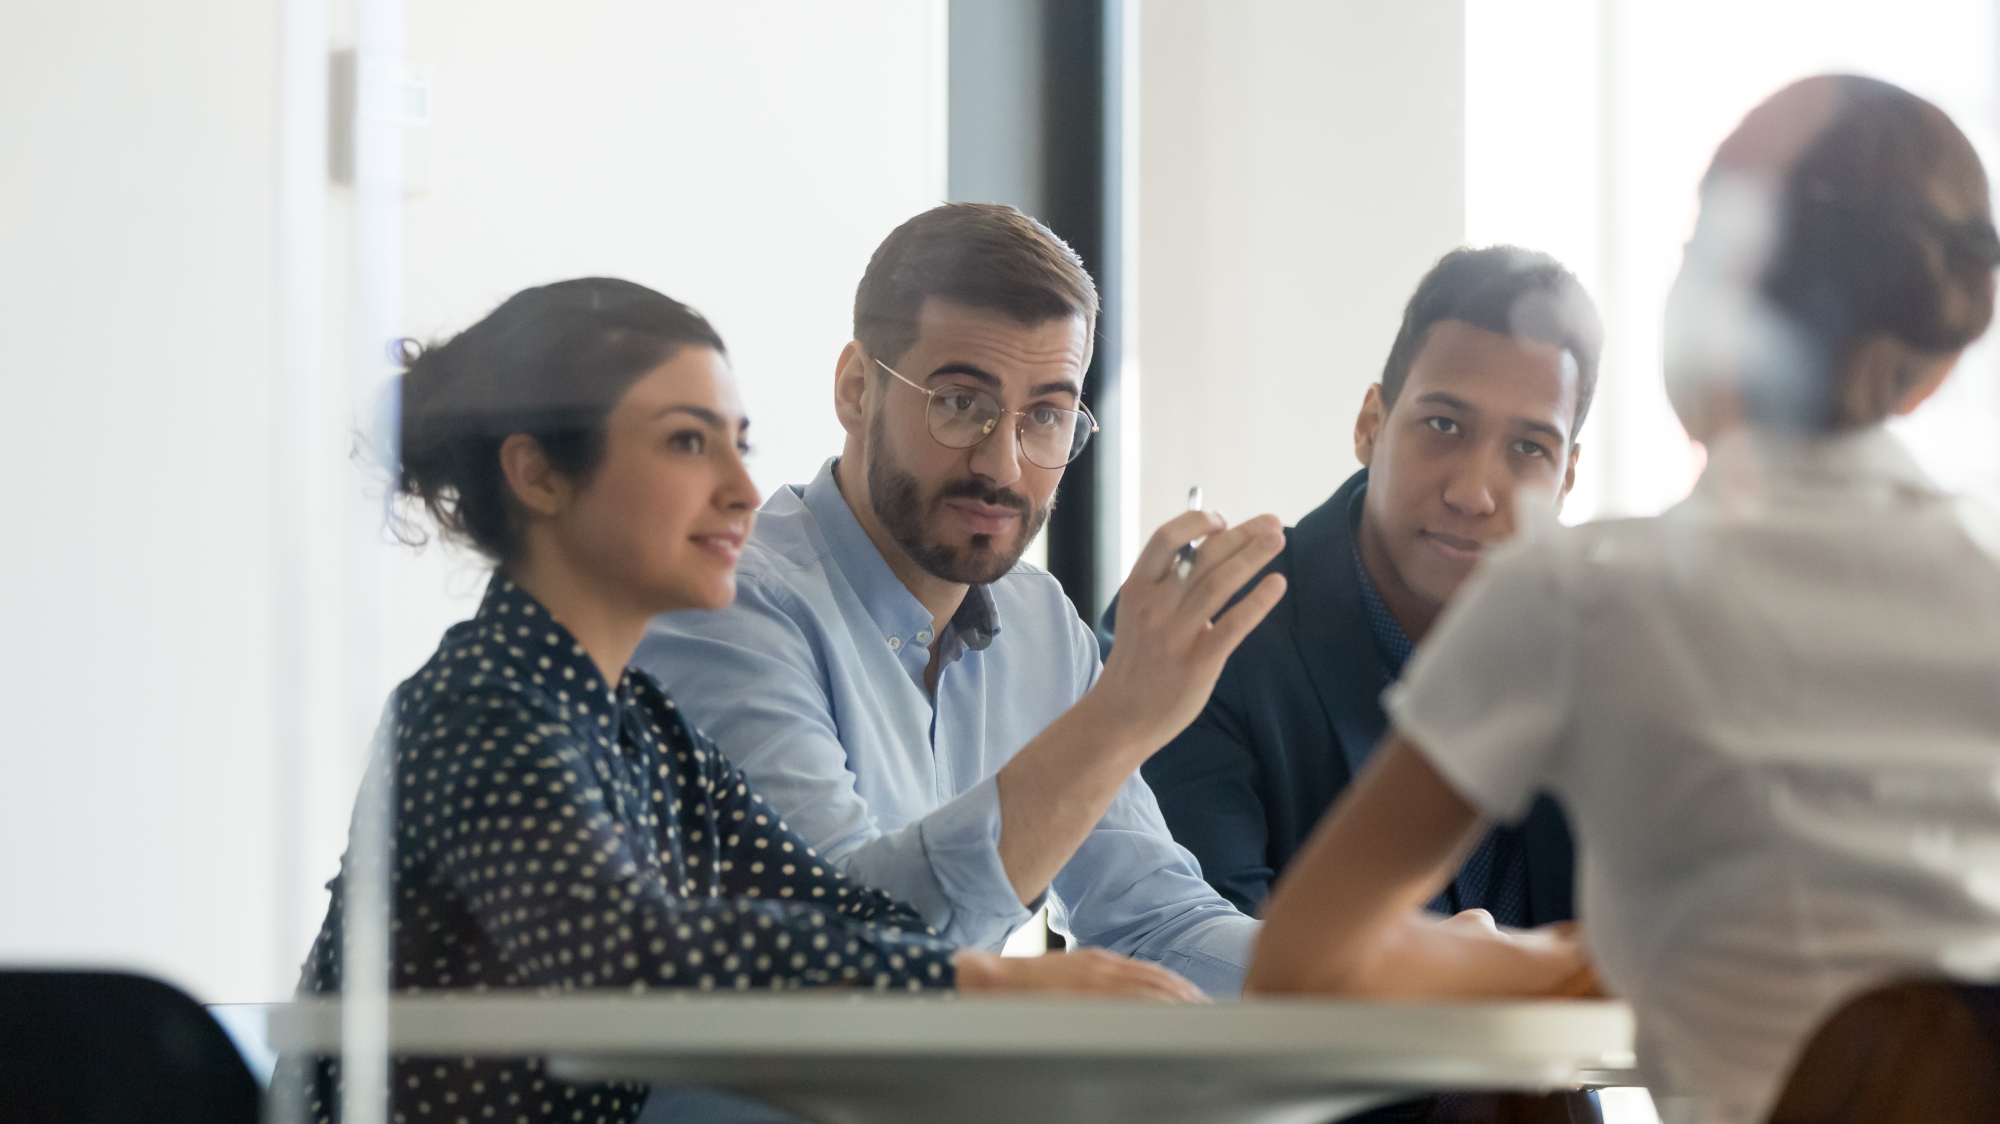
900	505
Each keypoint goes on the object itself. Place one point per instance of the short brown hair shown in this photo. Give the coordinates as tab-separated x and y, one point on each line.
981	255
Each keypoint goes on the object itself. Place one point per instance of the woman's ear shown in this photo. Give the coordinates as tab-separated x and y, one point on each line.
1926	385
535	483
1885	377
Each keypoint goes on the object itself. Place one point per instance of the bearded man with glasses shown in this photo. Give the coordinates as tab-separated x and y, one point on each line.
924	707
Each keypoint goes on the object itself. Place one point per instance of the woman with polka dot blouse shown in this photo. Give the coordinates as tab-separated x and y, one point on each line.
556	823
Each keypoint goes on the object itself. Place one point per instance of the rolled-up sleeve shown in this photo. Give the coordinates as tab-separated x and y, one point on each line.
753	680
1133	890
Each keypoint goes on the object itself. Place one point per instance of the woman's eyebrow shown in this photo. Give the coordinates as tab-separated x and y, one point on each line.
702	412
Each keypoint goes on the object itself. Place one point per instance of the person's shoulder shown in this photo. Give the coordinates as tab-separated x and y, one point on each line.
1029	599
1029	591
1603	545
1587	563
785	541
783	568
452	697
1029	583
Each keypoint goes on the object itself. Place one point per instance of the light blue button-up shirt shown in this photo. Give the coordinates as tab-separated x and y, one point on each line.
813	683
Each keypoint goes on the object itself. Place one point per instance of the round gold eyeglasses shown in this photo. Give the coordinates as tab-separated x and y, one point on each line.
961	416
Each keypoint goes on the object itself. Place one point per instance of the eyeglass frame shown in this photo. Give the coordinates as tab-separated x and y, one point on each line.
930	394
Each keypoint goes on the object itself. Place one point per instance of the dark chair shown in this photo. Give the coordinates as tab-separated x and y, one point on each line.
111	1048
1916	1052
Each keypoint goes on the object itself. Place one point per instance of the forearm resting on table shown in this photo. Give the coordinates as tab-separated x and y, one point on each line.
1056	790
1347	916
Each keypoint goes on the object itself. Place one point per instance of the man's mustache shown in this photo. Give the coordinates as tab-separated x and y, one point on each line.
970	489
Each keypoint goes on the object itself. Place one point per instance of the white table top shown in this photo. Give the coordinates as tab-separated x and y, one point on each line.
854	1058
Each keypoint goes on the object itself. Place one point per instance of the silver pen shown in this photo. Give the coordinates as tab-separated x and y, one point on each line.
1184	557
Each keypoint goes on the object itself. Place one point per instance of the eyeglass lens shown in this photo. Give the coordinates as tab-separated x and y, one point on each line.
1051	437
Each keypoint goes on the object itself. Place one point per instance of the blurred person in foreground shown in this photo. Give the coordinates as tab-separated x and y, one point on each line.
1771	714
920	704
1478	409
554	821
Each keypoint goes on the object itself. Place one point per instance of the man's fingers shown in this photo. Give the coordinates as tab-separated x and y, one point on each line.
1231	560
1476	920
1231	627
1157	557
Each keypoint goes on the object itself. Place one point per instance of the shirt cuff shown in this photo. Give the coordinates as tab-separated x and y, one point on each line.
962	842
1215	957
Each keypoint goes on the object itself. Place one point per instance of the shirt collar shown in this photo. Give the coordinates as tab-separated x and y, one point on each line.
526	635
890	604
1748	466
1391	642
976	622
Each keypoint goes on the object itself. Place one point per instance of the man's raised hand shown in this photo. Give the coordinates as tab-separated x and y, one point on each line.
1171	644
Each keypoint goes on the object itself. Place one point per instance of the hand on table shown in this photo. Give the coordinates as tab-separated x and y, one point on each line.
1559	942
1086	971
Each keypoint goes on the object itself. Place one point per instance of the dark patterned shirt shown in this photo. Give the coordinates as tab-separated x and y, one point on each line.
1495	875
552	834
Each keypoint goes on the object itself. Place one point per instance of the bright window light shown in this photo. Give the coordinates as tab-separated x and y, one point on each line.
1588	126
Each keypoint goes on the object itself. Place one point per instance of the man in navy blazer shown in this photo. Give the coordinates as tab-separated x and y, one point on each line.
1475	418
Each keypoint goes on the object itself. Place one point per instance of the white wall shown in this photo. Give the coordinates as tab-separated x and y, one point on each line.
1301	165
743	158
137	336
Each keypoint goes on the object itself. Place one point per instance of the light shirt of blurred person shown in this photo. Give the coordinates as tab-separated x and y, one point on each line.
1772	714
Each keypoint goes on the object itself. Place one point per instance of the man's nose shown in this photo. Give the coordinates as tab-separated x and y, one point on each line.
1476	484
998	458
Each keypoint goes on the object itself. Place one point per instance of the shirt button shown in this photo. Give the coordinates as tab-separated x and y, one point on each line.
924	637
895	643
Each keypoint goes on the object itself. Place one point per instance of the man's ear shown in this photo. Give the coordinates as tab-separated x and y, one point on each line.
1569	474
851	377
535	482
1368	425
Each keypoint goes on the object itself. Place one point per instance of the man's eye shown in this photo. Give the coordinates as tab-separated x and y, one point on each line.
1442	425
688	441
958	401
1530	449
1046	416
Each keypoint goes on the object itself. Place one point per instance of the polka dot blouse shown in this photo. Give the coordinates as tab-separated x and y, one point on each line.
551	833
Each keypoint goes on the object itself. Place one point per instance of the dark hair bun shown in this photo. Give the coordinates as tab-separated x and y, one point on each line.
1863	250
551	362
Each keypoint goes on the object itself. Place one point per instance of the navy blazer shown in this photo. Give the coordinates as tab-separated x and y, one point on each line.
1297	710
